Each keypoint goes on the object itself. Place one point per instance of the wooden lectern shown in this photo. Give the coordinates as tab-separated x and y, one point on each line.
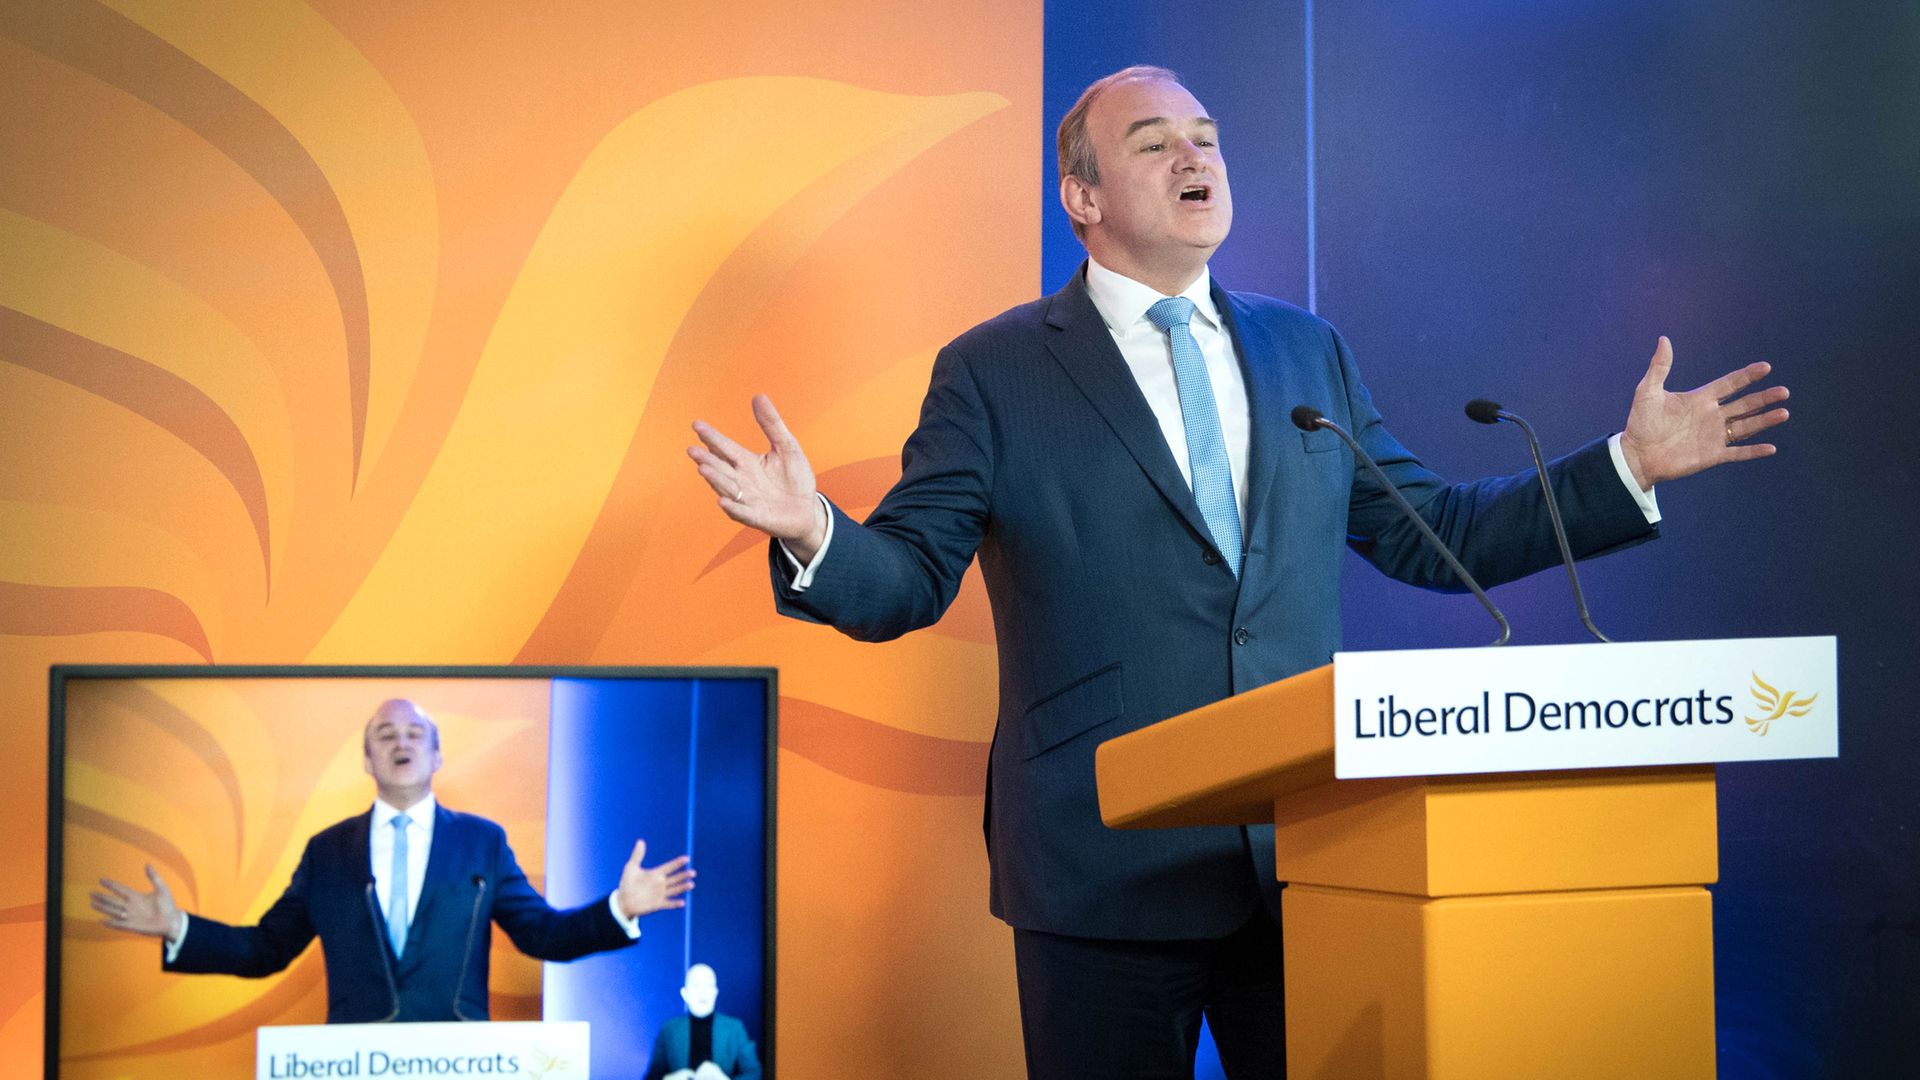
1517	925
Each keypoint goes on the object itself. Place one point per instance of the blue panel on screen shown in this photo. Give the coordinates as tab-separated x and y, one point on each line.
682	764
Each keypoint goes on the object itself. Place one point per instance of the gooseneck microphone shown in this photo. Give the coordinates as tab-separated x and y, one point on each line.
1307	418
386	951
1482	411
479	882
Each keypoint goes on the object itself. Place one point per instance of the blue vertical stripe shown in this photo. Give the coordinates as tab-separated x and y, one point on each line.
1313	240
693	794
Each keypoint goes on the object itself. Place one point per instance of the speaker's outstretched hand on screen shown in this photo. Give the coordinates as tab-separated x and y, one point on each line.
643	891
1670	435
772	492
152	913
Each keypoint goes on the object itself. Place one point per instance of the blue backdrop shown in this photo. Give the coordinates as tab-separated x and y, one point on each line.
682	764
1512	200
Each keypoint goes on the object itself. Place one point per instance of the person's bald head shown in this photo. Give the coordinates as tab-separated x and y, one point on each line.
701	991
402	747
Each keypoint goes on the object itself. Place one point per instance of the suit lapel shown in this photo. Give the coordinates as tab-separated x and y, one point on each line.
1268	405
359	840
357	856
441	859
1084	347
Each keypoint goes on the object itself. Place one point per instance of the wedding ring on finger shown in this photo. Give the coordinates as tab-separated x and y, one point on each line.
1729	434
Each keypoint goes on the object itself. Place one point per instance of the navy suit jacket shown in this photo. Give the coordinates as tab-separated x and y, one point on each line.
471	878
1112	609
733	1052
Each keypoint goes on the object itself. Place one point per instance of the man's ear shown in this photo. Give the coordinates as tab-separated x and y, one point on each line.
1078	198
366	763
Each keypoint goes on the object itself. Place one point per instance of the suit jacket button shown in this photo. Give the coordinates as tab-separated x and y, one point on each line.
1241	637
1210	557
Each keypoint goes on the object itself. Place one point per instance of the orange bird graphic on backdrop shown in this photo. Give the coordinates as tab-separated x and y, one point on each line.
319	344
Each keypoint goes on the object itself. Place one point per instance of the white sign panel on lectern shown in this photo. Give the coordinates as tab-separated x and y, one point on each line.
548	1050
1433	712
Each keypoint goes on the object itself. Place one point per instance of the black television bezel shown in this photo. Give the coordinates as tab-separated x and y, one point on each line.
60	674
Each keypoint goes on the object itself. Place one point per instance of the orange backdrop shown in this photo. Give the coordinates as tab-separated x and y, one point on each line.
371	332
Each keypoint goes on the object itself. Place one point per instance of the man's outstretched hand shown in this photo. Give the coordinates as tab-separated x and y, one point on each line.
152	913
1671	435
772	492
643	891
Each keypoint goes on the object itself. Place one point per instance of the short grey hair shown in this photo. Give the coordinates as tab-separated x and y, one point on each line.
1074	147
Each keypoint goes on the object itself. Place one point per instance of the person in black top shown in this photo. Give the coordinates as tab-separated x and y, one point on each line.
703	1044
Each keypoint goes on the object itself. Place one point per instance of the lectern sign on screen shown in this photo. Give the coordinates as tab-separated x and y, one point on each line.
550	1050
1429	712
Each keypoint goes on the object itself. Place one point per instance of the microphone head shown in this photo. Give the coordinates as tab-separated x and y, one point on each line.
1306	417
1482	411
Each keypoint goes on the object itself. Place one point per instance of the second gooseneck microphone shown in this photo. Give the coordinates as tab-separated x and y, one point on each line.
479	882
1307	418
386	950
1482	411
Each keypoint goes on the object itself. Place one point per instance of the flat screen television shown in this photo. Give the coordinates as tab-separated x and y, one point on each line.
217	776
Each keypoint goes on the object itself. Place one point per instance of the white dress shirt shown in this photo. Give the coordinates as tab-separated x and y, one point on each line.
419	846
1148	351
1122	303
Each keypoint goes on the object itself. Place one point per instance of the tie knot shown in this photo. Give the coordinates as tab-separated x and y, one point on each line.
401	821
1171	312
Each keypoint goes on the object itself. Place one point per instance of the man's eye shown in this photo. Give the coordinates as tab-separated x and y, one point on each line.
1153	147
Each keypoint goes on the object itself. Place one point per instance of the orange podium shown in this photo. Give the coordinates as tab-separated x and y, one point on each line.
1465	927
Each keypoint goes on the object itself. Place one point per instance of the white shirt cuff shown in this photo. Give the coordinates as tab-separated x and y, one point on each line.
174	943
1648	504
802	576
631	926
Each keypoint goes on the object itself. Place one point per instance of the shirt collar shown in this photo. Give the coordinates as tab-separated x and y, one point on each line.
420	813
1122	301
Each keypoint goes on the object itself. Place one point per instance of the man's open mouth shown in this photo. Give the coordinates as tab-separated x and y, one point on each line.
1196	193
403	759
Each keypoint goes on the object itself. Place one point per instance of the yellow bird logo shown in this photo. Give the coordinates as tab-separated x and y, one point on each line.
545	1064
1774	705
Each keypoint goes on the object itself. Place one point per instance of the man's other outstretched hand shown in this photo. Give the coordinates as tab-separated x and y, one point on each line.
1670	435
772	492
153	913
643	891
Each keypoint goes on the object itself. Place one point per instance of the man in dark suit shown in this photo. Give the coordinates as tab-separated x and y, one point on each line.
1155	535
400	898
701	1044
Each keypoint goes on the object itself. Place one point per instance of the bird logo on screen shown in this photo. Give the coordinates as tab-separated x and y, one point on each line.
1776	705
545	1064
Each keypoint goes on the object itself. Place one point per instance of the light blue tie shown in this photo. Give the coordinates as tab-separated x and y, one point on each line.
397	887
1206	446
